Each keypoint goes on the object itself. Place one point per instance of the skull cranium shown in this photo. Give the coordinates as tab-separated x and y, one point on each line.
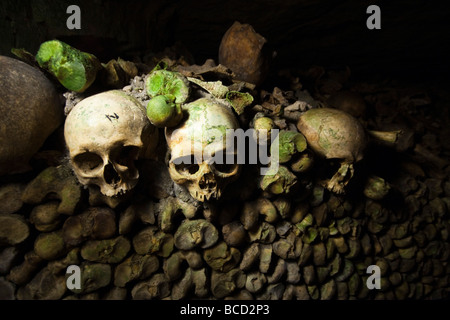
197	144
335	134
105	134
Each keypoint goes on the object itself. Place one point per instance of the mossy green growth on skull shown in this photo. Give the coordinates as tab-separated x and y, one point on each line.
162	111
290	143
279	183
333	133
164	82
239	100
74	69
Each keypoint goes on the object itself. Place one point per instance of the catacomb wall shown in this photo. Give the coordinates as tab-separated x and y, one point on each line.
411	43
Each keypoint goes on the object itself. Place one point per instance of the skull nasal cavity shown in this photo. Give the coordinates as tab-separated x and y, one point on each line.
111	176
207	181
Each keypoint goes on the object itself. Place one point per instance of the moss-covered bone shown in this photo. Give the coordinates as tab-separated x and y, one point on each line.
196	233
54	182
151	240
280	182
335	134
290	143
106	251
162	111
169	207
135	267
13	229
164	82
50	246
74	69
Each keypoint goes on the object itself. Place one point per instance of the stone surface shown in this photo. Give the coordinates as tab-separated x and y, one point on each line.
31	111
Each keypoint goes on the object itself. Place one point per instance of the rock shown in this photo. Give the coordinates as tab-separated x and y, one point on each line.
13	229
11	198
31	111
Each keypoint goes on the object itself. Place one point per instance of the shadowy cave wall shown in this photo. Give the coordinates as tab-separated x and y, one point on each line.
413	42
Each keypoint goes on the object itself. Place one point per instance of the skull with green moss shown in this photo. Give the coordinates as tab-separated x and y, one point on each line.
335	134
200	159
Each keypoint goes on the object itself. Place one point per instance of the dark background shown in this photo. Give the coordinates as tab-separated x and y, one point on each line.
412	45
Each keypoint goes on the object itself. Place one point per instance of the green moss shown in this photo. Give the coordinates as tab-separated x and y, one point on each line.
163	112
239	100
49	245
164	82
279	183
290	143
74	69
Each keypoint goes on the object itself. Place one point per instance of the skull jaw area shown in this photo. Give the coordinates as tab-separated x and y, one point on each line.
206	183
340	179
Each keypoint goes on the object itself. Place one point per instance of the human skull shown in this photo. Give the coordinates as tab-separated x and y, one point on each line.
198	149
336	135
105	134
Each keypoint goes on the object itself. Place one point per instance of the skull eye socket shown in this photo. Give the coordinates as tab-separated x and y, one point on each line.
126	155
88	161
225	163
186	165
187	169
225	168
